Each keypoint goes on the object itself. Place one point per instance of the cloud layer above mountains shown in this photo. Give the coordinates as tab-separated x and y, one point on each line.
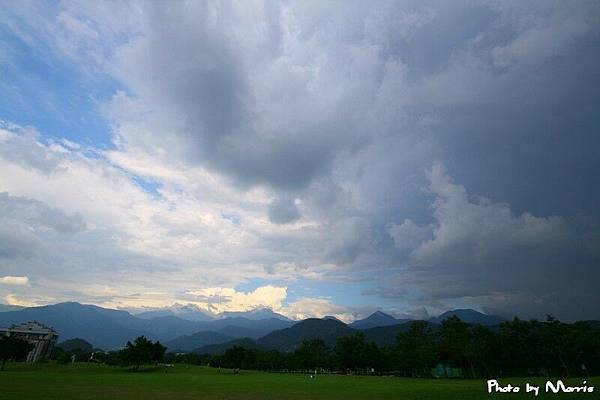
314	157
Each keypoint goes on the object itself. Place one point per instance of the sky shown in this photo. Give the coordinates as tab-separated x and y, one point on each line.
313	157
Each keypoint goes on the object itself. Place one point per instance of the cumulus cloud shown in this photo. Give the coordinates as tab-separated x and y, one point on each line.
317	308
220	299
481	251
478	228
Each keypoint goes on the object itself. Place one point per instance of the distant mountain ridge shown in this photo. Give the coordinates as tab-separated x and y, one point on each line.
379	327
469	316
190	312
8	307
194	313
327	330
256	314
198	339
111	329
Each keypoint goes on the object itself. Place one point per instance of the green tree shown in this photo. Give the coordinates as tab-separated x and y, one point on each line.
350	351
416	349
522	348
142	351
312	354
555	341
238	357
583	348
484	348
12	348
455	344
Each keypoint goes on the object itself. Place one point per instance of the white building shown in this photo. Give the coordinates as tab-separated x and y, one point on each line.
39	335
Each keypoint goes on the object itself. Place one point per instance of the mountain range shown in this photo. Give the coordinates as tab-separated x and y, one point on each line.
194	313
111	329
327	330
185	328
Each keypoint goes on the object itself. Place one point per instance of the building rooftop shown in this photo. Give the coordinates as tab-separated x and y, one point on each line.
32	327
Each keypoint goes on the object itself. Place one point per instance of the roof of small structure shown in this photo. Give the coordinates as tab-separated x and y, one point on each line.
32	327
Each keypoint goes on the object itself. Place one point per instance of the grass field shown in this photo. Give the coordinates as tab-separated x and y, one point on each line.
84	381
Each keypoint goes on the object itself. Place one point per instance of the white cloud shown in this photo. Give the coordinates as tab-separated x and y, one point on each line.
219	299
14	280
184	228
479	228
316	308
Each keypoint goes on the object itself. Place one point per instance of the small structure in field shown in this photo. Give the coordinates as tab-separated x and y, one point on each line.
40	336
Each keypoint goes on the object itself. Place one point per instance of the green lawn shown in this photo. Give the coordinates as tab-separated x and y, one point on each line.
84	381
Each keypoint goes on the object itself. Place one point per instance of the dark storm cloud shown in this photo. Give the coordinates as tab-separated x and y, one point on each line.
349	106
498	78
480	250
283	210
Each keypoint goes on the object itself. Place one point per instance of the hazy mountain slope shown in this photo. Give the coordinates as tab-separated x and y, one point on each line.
188	312
221	347
8	307
76	344
259	327
387	335
328	330
258	314
239	332
110	329
72	320
469	316
378	318
199	339
166	328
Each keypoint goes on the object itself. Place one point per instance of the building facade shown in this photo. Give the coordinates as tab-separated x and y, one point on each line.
40	336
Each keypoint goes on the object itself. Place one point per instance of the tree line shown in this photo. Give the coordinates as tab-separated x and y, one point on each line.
13	348
514	348
135	354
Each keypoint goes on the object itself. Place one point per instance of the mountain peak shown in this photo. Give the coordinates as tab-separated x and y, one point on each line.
378	318
380	314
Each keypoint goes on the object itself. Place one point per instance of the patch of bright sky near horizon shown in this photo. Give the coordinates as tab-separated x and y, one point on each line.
314	158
